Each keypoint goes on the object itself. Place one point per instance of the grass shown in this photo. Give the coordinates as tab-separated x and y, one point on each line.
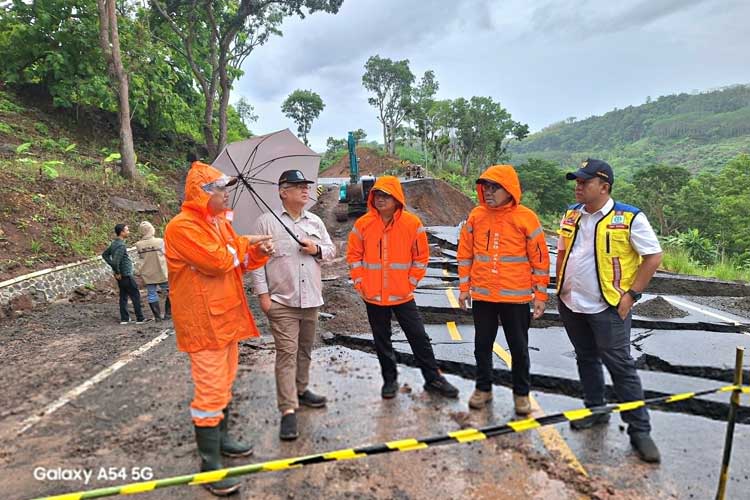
729	269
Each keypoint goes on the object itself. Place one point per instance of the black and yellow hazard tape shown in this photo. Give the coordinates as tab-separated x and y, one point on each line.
460	436
320	190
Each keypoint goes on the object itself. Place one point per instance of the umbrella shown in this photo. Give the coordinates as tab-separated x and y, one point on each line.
259	162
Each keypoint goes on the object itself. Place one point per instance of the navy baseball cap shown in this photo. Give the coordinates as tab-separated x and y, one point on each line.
593	168
294	177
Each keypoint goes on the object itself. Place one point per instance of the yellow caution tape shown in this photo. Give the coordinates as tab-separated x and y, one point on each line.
460	436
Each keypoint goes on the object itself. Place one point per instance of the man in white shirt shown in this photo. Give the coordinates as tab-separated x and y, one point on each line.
289	288
607	254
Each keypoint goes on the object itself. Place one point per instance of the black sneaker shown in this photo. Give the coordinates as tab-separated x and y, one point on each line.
442	387
389	390
288	430
589	422
309	398
645	447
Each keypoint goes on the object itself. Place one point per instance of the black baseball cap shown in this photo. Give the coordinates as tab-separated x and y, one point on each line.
294	177
593	168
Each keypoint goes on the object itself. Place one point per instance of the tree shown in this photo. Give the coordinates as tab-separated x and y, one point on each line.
391	83
422	99
216	36
303	106
483	131
246	111
359	135
109	39
544	182
657	188
333	144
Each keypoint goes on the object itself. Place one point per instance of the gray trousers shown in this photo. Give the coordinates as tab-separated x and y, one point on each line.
604	338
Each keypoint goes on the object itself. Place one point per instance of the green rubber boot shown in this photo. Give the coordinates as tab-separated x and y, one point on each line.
231	447
209	444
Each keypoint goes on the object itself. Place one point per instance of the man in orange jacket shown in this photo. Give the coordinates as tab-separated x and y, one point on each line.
388	255
206	260
503	265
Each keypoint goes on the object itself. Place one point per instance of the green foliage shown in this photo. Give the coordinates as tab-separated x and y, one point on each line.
5	128
22	148
36	246
303	106
330	157
390	81
49	170
544	183
49	144
112	157
695	245
679	261
41	128
694	131
483	128
6	105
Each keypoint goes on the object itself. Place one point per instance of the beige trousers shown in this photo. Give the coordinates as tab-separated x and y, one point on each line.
293	330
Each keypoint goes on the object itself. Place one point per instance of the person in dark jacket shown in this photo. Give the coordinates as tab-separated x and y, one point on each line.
116	255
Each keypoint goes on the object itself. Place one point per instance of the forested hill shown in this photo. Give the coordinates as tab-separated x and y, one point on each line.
695	131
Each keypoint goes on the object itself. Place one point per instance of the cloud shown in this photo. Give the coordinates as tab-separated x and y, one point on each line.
542	62
592	18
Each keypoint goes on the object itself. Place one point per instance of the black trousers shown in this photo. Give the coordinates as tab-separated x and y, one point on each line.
409	319
515	319
604	338
129	288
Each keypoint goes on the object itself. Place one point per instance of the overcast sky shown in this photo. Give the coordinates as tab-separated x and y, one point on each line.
542	60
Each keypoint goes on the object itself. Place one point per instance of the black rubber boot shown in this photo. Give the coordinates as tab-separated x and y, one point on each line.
156	310
231	447
167	309
209	444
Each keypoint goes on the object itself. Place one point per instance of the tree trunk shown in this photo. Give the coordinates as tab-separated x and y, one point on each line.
226	86
109	39
385	135
465	165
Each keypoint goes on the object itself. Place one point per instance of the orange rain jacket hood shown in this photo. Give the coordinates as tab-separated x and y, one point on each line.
502	253
386	261
206	260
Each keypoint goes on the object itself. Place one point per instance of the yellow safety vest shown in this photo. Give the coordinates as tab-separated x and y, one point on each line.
616	260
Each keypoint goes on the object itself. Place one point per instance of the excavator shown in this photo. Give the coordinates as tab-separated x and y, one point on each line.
353	194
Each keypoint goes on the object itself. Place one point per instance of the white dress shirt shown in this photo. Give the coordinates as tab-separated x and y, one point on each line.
580	290
291	276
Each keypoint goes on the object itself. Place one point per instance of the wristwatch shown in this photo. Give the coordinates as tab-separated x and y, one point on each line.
635	295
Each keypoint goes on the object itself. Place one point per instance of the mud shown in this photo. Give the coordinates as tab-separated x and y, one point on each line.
735	305
659	308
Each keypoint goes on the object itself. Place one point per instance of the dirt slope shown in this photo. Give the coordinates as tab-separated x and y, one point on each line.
370	162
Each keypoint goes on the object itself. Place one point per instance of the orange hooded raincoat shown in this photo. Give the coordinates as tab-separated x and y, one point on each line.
502	253
206	259
386	262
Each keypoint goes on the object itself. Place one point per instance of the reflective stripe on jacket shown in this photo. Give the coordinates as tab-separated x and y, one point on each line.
617	261
206	260
502	253
386	262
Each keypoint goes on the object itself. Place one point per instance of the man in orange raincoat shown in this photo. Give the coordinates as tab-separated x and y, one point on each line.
206	260
388	255
503	265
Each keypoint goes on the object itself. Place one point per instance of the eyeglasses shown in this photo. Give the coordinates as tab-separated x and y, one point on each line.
490	187
301	186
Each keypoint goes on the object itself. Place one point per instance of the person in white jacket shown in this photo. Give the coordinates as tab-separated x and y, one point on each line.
152	267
